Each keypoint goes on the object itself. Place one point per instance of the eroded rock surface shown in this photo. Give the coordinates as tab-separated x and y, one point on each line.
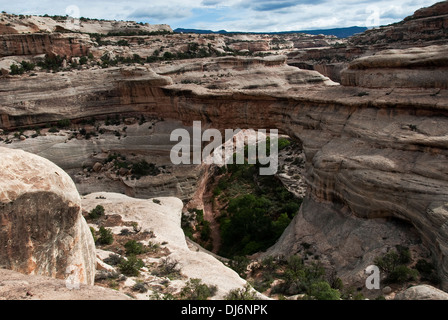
17	286
422	292
163	219
42	229
379	152
407	68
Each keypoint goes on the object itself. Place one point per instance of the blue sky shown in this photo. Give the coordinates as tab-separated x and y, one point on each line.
231	15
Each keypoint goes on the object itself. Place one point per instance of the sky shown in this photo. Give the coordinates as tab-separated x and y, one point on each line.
230	15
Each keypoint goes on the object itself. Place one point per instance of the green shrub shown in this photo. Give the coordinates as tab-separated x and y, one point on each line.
131	267
51	63
322	291
246	293
402	274
195	290
22	68
113	259
206	231
134	248
64	123
394	263
105	236
168	268
96	213
143	168
83	60
283	143
239	264
27	66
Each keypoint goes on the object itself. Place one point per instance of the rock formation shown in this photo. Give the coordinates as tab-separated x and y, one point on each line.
427	27
17	286
162	218
407	68
376	147
65	45
366	151
10	24
422	292
42	229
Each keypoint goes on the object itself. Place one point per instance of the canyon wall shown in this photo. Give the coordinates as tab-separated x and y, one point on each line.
371	153
69	45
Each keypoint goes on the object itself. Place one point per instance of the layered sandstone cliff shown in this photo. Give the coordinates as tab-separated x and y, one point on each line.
426	27
407	68
68	45
371	153
26	24
376	149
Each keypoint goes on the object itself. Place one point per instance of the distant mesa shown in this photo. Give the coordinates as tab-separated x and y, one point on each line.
338	32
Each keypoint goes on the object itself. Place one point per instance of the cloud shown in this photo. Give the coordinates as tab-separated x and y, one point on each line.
233	15
273	5
160	13
211	2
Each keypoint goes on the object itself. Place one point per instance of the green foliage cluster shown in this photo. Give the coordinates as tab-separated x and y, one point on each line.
134	248
105	237
169	268
259	209
96	213
394	264
122	42
427	271
113	121
143	168
131	266
106	61
139	169
246	293
127	33
22	68
298	277
51	62
63	124
196	290
197	224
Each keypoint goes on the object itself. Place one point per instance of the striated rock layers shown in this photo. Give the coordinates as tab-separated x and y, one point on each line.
370	153
68	44
409	68
426	27
42	230
11	24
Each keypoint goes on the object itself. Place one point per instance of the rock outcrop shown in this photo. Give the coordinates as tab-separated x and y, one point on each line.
426	27
17	286
163	219
375	154
422	292
407	68
62	44
42	229
14	24
376	150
